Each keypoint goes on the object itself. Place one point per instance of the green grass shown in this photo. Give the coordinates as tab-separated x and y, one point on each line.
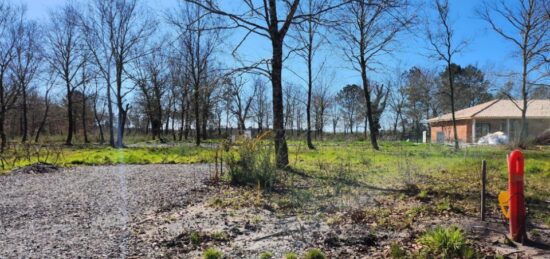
101	155
315	253
447	242
266	255
212	253
345	169
436	170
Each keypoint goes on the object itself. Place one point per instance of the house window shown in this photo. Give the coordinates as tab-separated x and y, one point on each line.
482	129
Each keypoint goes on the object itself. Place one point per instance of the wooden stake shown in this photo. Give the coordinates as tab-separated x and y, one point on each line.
483	183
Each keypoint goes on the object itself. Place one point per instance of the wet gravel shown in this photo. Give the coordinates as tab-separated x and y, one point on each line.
89	211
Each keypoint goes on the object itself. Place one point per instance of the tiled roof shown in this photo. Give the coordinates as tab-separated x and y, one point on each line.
500	109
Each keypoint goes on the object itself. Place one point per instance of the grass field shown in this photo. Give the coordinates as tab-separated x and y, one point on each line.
393	194
436	170
341	167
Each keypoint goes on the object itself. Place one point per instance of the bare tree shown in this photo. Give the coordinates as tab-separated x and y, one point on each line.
27	59
114	31
334	113
272	21
525	24
198	37
180	80
368	29
380	94
98	116
66	56
310	40
241	98
322	100
10	19
97	41
397	103
442	42
50	83
291	98
260	105
150	76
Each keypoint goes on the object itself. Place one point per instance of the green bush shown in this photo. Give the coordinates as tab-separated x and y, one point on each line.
291	255
446	243
212	253
315	254
252	165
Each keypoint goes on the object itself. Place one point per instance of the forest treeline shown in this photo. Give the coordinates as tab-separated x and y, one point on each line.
101	69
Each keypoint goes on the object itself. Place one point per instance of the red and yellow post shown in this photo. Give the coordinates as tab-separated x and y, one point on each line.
516	200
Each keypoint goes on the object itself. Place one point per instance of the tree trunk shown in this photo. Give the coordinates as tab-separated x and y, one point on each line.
456	147
281	147
121	111
309	90
372	126
24	129
524	95
3	137
44	118
70	115
204	122
182	118
98	121
197	116
111	115
84	127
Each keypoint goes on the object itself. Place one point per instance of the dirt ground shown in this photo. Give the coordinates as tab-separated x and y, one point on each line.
158	211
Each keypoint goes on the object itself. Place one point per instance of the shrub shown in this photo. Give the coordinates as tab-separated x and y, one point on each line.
315	254
252	165
446	243
291	255
212	253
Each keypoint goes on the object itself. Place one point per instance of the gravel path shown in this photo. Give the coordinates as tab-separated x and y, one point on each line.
88	211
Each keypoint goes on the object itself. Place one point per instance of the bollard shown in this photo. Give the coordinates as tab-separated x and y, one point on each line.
516	202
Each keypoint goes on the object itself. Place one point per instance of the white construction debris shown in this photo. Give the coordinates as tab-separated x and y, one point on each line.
496	138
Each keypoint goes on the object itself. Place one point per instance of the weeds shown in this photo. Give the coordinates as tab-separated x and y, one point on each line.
266	255
291	255
212	253
315	254
397	252
252	165
447	242
195	238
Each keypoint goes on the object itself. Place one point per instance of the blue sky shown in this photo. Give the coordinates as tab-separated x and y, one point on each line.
485	48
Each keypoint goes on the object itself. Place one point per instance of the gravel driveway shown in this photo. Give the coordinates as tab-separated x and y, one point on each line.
88	211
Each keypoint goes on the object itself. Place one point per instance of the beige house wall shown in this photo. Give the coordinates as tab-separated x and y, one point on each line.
466	133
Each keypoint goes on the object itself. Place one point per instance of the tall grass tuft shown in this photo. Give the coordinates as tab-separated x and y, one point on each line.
252	164
447	242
